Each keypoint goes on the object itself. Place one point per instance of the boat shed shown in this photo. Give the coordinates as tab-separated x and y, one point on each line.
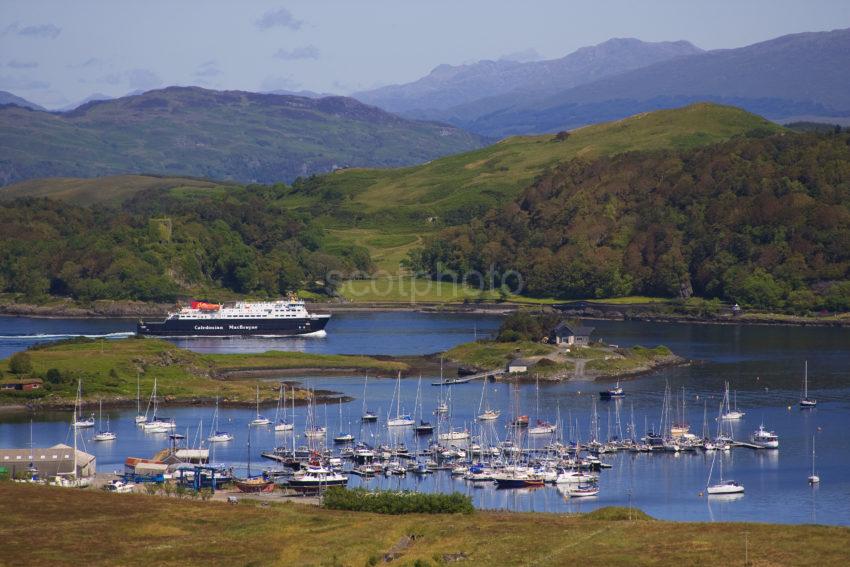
570	335
50	461
519	365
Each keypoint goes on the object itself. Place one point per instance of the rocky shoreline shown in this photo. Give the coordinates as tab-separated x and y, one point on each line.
109	309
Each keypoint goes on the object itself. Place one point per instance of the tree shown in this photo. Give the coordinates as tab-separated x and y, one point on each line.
20	363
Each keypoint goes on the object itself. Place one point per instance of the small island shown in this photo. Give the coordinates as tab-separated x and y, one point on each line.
114	371
46	375
544	347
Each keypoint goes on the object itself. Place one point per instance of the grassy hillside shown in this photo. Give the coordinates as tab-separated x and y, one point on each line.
452	189
109	190
168	531
236	135
759	221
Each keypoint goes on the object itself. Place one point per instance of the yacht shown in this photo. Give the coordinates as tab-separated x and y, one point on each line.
490	415
805	401
260	420
317	477
764	438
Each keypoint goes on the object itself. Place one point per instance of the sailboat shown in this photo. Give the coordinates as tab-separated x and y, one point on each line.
104	434
157	424
259	420
731	413
282	424
218	436
313	431
424	427
813	478
80	423
253	483
400	420
542	427
452	434
62	479
442	406
724	486
368	416
610	393
488	414
342	437
805	401
139	417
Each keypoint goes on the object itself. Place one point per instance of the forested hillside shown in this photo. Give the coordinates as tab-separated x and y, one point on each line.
764	221
161	244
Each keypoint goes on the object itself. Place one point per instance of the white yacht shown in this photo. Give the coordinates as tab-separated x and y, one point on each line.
764	438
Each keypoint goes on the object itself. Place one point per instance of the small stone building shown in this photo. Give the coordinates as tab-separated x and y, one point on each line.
50	461
570	335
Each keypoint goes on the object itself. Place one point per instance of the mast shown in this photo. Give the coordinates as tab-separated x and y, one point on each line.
138	396
806	381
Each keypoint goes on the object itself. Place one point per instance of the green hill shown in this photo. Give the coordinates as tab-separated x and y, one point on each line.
109	190
190	131
454	188
763	221
389	211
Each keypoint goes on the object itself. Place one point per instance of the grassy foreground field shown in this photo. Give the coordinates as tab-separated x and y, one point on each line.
88	528
108	370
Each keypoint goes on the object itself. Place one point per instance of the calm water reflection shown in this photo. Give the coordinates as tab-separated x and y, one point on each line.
764	365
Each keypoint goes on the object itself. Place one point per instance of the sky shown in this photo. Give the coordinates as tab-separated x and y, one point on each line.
57	52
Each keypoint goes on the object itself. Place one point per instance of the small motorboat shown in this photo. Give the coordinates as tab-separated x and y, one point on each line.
315	432
424	428
612	393
369	417
583	490
344	438
490	415
119	486
454	435
315	478
85	423
520	421
282	425
542	428
105	436
764	438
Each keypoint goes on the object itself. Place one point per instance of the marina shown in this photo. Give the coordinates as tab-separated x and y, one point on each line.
762	364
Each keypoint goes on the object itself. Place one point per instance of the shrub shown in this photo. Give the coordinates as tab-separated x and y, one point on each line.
383	502
20	363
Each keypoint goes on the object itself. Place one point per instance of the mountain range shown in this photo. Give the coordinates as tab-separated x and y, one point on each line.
509	81
228	135
786	78
8	98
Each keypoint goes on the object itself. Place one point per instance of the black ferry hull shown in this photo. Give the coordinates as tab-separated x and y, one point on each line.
233	327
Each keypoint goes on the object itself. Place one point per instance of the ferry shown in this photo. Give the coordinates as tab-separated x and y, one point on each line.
283	318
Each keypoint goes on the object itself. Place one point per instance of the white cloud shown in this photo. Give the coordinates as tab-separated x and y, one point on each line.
46	31
136	79
280	18
306	52
142	79
208	69
21	83
279	82
16	64
523	56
